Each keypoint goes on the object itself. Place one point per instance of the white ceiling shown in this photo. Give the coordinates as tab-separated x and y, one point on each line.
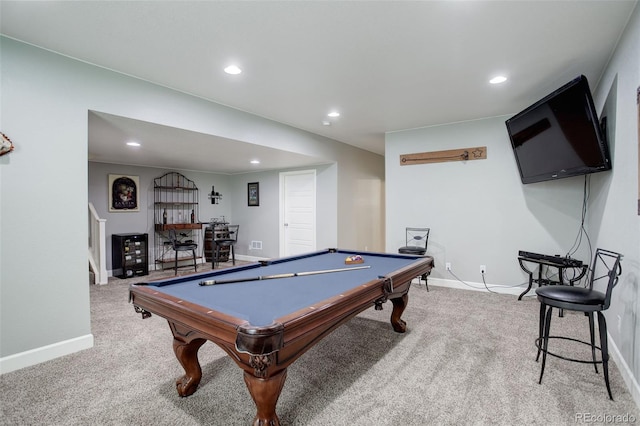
171	148
385	65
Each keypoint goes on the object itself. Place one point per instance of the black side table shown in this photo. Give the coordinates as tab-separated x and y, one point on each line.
549	264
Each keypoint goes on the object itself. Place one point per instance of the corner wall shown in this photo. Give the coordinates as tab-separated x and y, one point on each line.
618	221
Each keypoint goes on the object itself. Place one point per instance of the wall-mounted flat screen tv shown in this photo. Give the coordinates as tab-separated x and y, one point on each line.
559	136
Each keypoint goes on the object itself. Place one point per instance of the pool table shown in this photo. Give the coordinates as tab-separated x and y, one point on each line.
274	311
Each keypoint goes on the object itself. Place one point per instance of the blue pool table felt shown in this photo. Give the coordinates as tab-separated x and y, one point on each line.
261	302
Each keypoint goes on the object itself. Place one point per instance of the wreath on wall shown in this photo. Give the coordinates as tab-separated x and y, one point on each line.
6	146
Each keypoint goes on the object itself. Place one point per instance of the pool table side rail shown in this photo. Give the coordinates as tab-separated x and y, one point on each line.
161	282
372	291
335	250
308	325
212	325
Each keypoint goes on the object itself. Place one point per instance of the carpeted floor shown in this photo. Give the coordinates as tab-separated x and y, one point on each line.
468	358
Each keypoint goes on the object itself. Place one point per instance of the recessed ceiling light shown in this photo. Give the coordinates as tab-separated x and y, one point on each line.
233	69
334	114
498	79
326	123
255	161
133	144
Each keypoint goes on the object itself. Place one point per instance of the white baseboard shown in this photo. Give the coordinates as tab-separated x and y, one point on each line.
46	353
625	371
249	258
516	291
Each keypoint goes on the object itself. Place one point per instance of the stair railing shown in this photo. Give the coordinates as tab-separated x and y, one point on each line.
97	246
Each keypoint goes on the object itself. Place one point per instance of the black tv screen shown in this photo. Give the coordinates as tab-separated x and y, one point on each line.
559	136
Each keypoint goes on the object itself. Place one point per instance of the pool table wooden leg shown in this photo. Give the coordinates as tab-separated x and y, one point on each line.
399	305
265	394
187	354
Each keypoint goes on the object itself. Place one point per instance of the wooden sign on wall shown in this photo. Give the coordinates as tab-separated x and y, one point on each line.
464	154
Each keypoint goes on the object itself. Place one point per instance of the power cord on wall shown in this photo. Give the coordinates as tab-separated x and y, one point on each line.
486	286
586	192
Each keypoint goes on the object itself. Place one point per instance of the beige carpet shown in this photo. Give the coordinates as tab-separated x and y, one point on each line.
468	358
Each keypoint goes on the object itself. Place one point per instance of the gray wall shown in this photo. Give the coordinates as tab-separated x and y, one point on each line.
46	101
256	223
143	221
262	223
478	211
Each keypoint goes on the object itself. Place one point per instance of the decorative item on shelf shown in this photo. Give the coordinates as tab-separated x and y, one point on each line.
164	217
218	220
215	197
193	216
6	146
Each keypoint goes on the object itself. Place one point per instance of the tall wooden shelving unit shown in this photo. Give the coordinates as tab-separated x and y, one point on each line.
175	207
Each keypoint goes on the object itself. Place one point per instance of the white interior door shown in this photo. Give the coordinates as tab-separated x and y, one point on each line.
297	212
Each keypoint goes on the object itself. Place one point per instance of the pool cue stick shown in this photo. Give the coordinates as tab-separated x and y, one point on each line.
272	277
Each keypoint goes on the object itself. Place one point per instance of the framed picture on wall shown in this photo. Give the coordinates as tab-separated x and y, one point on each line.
253	194
123	193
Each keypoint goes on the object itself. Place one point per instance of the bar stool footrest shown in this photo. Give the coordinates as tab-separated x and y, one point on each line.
539	346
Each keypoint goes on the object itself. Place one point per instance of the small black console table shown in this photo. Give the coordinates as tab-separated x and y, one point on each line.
546	261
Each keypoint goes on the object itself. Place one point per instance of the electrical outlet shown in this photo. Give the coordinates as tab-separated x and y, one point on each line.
448	266
483	269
